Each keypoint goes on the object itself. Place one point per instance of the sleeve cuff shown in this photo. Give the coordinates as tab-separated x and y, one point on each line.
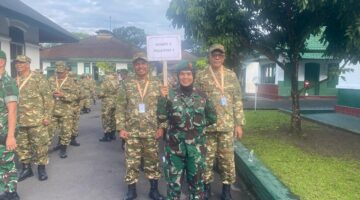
11	99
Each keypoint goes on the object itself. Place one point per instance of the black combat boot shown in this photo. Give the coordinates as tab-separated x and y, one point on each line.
63	151
154	192
106	138
57	147
112	135
3	196
73	141
25	172
226	195
131	193
207	191
42	173
123	142
9	196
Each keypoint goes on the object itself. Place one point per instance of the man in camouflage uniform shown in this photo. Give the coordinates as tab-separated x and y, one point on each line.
123	75
8	98
108	95
222	87
75	119
64	93
35	103
137	124
92	88
188	112
88	89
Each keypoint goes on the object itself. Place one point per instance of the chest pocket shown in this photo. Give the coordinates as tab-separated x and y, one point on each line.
199	113
177	110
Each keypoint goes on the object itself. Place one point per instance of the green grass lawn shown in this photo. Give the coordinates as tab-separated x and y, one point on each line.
310	175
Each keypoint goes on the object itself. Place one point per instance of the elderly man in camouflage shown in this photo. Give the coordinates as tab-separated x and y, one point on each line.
88	88
137	124
223	89
8	101
64	93
187	111
108	95
34	115
75	119
123	74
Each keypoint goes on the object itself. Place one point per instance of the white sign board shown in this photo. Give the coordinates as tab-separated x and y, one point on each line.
163	47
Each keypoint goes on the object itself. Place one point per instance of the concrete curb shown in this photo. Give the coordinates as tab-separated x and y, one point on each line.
258	178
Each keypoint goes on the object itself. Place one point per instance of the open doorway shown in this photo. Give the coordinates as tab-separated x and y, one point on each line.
312	73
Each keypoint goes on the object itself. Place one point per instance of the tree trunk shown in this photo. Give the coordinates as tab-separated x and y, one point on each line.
295	116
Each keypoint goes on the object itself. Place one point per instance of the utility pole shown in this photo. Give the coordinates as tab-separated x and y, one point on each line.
110	23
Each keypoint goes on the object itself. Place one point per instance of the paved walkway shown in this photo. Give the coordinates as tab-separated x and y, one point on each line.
337	120
94	171
319	110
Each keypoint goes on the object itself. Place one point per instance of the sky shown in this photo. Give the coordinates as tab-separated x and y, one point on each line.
88	16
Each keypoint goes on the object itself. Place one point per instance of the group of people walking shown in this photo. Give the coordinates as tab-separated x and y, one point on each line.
198	119
34	108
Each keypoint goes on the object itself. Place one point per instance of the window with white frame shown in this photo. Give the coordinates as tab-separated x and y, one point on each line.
268	72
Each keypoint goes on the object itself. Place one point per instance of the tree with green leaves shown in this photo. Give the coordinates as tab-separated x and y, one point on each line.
106	66
277	29
132	35
81	35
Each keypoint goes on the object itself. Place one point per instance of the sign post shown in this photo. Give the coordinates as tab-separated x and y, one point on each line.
256	82
165	73
163	48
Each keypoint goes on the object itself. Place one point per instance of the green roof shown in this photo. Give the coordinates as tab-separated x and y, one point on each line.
314	44
314	48
314	56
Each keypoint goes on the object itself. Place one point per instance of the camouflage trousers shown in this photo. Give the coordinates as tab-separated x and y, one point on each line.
220	145
33	145
75	122
86	103
108	117
148	149
189	160
64	123
8	174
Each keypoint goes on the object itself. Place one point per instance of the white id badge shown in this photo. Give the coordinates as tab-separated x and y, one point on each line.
141	108
223	101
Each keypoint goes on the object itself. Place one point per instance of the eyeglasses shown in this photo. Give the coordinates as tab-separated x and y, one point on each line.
217	55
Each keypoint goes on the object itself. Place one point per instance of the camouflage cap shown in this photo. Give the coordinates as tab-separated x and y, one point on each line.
122	71
185	66
2	55
22	58
61	66
72	74
140	55
107	72
218	47
40	71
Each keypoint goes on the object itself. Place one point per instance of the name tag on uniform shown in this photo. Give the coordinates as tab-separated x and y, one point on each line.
223	101
141	108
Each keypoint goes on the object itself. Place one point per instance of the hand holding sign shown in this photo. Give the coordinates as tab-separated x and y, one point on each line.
163	48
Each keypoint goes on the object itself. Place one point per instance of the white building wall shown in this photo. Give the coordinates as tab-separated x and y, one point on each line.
352	79
279	74
323	71
5	46
45	66
80	68
252	73
32	51
301	72
121	66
